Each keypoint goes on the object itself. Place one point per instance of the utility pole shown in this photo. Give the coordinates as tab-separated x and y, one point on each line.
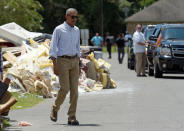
101	18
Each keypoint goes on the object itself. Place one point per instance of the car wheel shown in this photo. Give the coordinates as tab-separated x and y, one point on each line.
158	72
150	71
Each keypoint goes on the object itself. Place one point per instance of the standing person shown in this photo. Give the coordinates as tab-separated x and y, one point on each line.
128	39
121	44
97	40
65	53
108	44
139	50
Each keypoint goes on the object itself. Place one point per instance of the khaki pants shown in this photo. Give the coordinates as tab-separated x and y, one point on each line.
140	63
68	78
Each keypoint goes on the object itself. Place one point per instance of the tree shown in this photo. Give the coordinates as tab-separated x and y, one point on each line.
89	14
22	12
145	3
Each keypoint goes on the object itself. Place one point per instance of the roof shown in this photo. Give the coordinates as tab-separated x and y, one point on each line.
160	11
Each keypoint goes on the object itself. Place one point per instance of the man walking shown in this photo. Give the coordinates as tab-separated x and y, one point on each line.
108	44
139	50
65	53
121	44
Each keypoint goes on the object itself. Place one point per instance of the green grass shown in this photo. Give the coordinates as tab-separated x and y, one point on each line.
26	100
6	123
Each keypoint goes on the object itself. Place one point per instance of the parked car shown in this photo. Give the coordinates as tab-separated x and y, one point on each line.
168	52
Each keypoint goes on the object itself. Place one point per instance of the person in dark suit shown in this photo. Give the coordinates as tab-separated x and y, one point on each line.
121	44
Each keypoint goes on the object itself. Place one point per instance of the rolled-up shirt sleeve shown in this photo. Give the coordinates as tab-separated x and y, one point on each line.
54	43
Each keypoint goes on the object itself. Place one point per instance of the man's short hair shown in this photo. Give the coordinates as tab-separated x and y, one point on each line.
138	25
69	10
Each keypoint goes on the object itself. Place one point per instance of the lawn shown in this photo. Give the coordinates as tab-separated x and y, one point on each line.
26	100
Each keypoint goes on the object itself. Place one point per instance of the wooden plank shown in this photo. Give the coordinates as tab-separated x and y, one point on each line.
10	57
11	48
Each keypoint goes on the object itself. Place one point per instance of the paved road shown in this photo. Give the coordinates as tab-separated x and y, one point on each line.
139	104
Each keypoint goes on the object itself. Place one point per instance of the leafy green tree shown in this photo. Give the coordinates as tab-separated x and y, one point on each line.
145	3
89	14
22	12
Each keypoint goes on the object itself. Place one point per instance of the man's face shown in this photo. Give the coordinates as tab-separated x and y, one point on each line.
139	28
71	18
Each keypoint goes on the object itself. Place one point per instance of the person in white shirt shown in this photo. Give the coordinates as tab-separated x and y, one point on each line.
139	50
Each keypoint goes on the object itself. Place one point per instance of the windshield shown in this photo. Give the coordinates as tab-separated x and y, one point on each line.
148	33
173	33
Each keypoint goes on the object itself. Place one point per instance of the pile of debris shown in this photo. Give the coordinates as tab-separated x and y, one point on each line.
95	74
32	70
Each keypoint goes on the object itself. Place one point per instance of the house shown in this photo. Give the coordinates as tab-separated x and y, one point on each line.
162	11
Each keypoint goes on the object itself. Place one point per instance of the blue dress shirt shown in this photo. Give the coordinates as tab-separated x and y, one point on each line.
65	41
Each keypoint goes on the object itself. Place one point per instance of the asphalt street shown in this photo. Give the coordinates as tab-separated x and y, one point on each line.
138	104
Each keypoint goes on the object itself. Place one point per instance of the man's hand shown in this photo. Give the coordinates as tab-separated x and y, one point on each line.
55	68
56	71
147	43
6	81
141	44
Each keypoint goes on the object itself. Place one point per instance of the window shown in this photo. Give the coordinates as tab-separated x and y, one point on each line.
173	33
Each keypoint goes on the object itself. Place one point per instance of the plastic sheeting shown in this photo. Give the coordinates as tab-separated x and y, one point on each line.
16	34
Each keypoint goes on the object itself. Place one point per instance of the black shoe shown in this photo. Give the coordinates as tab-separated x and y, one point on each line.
138	75
73	122
53	115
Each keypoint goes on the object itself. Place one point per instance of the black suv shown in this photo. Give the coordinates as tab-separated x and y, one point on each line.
168	54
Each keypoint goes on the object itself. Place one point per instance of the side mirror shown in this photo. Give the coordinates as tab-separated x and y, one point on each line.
152	37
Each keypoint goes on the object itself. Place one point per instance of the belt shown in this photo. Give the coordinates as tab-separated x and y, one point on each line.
68	57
